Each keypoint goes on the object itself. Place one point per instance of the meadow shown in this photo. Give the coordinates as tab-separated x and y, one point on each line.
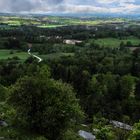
7	54
114	42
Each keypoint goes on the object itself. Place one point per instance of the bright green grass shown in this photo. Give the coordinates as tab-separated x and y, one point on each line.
5	54
10	22
112	42
49	26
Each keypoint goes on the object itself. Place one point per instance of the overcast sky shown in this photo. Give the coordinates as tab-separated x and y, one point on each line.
71	6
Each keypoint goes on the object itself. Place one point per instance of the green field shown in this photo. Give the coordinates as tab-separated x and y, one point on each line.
53	21
5	54
49	26
113	42
78	21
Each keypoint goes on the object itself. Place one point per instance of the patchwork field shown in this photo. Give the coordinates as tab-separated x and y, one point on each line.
53	22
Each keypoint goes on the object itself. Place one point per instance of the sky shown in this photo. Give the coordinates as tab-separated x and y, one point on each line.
71	6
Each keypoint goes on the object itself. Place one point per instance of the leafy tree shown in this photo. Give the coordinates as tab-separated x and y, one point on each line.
45	106
105	133
12	43
103	95
127	86
102	130
71	135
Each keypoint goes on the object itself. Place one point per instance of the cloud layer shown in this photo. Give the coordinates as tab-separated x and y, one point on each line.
71	6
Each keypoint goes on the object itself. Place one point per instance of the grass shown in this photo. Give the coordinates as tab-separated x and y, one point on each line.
5	54
17	21
49	26
11	22
74	21
114	42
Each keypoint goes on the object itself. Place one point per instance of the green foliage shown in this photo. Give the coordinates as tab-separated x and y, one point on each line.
44	105
71	135
102	69
10	133
135	135
99	122
44	72
101	129
105	133
127	84
3	93
121	134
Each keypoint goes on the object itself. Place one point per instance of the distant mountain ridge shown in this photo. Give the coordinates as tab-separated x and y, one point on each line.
77	15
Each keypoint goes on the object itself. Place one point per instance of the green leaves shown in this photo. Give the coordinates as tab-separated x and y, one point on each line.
3	93
44	105
135	135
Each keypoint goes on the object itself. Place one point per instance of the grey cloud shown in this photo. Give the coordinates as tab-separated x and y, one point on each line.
54	2
26	5
22	5
69	6
17	5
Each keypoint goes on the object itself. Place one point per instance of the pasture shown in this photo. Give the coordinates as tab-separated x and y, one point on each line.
114	42
5	54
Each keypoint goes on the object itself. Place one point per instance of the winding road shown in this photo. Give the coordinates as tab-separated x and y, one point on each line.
39	59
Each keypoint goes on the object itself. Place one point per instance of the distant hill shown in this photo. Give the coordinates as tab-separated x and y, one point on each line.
76	15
